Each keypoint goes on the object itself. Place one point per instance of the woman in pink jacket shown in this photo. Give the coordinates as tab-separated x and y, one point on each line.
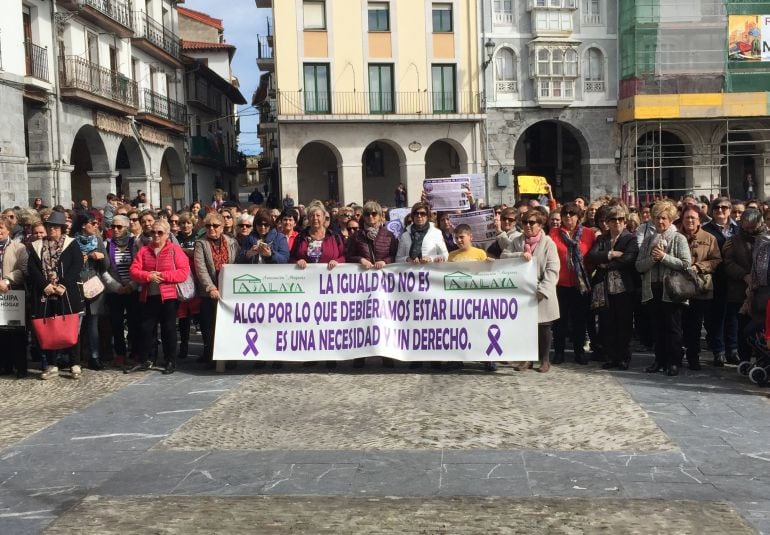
158	267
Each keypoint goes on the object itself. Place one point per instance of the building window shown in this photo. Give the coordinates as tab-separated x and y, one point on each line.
592	14
543	62
442	18
554	4
379	17
314	14
503	10
570	63
553	21
505	72
381	88
317	88
593	71
443	77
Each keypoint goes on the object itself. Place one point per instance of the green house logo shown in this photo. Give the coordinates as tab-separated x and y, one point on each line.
250	285
459	280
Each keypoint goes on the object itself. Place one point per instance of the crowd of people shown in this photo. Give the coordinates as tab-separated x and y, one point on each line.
607	273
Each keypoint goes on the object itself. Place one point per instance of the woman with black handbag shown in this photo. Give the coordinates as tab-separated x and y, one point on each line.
661	255
705	260
54	273
614	253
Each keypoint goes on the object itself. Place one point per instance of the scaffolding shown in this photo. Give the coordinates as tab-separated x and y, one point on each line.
677	47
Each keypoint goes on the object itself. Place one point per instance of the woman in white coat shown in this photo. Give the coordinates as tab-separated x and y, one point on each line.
534	243
422	242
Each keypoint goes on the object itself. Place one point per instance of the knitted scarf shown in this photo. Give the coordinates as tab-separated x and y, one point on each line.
417	234
121	241
86	243
371	232
575	259
531	243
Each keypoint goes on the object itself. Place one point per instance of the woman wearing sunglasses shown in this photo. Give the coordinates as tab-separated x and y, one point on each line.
421	242
212	251
264	244
159	266
614	253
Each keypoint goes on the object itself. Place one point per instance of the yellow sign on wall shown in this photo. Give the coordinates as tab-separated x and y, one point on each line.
532	184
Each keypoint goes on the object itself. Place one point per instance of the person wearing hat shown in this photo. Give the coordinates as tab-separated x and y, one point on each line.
55	264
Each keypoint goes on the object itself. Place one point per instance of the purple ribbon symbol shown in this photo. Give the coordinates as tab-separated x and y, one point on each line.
493	333
251	342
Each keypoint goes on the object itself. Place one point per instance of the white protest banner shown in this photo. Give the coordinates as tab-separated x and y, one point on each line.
447	193
466	311
478	183
12	309
482	223
396	221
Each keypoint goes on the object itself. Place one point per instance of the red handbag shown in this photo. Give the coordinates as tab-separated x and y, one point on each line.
57	332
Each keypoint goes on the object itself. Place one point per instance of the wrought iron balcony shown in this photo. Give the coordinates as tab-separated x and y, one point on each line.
413	104
265	60
207	150
92	84
113	15
36	58
155	39
163	108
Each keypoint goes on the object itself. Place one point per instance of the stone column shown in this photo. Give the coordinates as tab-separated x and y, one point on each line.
762	175
102	183
289	183
137	182
351	183
706	175
413	173
13	181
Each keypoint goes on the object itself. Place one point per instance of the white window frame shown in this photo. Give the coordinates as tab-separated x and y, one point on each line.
307	6
503	12
592	12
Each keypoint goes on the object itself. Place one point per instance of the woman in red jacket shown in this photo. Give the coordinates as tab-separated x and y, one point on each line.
573	291
159	266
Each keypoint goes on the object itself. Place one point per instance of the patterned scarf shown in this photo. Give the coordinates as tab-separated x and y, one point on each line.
50	255
86	243
575	259
121	241
220	253
531	243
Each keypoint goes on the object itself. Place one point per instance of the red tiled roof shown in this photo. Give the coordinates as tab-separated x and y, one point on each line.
200	17
204	45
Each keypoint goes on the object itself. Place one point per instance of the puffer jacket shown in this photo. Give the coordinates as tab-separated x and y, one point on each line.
384	247
171	262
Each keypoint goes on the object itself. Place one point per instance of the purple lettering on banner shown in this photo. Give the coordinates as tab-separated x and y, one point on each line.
493	333
251	342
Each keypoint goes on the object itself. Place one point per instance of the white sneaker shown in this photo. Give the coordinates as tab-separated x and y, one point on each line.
76	371
49	373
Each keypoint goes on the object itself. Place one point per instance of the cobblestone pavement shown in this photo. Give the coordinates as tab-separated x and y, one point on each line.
566	410
30	405
579	450
280	515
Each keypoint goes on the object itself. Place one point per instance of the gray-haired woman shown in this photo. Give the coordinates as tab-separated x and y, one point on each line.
661	254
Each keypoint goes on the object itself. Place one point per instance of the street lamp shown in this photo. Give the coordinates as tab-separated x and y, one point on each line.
489	46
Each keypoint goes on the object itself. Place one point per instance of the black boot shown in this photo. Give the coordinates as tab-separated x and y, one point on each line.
558	357
719	360
169	369
732	358
95	364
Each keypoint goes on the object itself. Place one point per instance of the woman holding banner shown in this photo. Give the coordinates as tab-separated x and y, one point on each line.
13	267
421	242
316	244
373	246
534	243
212	251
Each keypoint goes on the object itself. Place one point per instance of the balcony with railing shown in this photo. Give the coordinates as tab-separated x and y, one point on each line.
112	15
155	39
36	59
360	105
265	60
162	111
92	85
206	150
506	89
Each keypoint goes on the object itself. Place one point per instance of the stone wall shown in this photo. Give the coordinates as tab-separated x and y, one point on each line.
13	158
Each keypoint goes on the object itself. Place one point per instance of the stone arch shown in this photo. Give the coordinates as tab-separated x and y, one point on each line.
565	163
382	163
318	163
172	179
88	156
129	162
445	157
